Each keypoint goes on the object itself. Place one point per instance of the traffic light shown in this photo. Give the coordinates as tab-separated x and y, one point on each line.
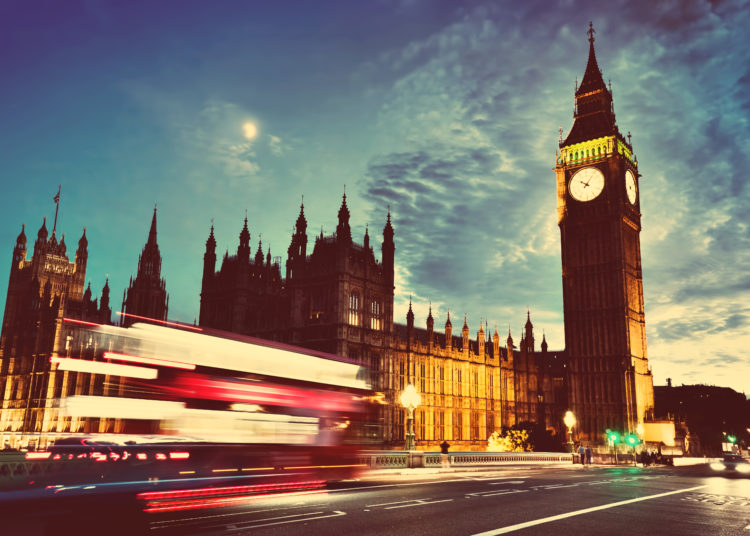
614	437
632	440
732	439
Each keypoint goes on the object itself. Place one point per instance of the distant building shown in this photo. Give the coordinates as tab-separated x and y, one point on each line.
42	291
705	415
146	297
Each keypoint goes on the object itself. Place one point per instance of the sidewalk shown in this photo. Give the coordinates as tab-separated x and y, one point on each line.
416	471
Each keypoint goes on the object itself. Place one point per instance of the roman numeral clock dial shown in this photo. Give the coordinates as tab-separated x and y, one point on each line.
586	184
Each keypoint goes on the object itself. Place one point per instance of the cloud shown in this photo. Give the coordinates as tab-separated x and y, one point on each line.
476	108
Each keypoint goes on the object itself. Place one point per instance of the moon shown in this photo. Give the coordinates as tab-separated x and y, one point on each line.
250	130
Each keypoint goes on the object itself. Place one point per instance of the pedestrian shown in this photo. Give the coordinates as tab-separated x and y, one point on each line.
588	455
582	455
444	460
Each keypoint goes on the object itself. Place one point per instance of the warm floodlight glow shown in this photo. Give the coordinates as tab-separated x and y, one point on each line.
249	130
410	398
569	419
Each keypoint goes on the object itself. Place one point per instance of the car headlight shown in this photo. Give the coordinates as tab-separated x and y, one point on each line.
743	467
716	466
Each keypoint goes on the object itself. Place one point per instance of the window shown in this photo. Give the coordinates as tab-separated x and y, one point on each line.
375	315
490	386
422	375
457	425
441	383
354	309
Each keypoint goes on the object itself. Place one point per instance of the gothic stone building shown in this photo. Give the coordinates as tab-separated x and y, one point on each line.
42	291
46	300
598	205
339	299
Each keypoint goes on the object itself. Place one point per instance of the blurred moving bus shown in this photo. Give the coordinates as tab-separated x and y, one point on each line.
181	401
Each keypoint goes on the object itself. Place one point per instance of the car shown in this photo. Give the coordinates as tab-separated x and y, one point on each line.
732	463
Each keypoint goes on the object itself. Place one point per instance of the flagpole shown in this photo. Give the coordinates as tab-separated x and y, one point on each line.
57	207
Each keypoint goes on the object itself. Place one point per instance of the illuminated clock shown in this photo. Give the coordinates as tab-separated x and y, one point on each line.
630	187
586	184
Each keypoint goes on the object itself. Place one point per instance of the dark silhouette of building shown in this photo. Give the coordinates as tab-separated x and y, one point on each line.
42	291
338	299
708	412
600	223
146	297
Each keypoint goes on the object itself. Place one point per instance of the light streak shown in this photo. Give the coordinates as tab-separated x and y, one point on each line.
149	360
179	455
74	321
162	322
100	367
38	455
119	408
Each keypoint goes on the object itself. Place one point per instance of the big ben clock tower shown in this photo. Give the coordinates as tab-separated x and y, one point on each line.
598	205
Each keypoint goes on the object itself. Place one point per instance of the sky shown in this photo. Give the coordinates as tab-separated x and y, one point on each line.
446	111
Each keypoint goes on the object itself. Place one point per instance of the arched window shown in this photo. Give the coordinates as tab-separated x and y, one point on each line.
354	315
375	315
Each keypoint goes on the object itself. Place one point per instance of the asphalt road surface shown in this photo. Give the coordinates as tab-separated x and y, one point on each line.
568	500
554	501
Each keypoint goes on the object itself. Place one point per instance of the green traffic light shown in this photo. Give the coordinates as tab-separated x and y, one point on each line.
732	439
614	437
632	440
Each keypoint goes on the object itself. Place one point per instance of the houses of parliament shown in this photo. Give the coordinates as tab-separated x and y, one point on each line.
336	295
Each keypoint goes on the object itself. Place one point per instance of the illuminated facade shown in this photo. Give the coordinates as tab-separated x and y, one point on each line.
41	291
339	299
600	223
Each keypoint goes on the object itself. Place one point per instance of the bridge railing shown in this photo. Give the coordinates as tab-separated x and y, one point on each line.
402	459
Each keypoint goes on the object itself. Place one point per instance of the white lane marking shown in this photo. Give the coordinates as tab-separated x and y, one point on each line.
417	503
519	526
491	493
507	482
253	525
395	502
183	521
487	478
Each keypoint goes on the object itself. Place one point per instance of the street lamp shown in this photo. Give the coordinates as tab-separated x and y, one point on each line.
410	399
570	422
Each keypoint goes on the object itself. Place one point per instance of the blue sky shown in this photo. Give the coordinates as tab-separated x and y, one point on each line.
448	111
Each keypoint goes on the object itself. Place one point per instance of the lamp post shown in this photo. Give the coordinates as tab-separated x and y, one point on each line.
570	422
410	399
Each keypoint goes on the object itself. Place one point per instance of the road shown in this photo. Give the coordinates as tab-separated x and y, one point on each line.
554	501
519	500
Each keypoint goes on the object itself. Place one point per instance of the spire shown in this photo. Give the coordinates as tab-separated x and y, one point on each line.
259	252
42	234
152	232
410	314
149	264
21	239
448	321
343	231
83	244
87	293
367	237
62	247
592	78
388	229
301	220
466	326
594	116
211	241
243	250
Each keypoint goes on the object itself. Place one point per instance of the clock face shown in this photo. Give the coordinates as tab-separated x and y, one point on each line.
586	184
630	187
